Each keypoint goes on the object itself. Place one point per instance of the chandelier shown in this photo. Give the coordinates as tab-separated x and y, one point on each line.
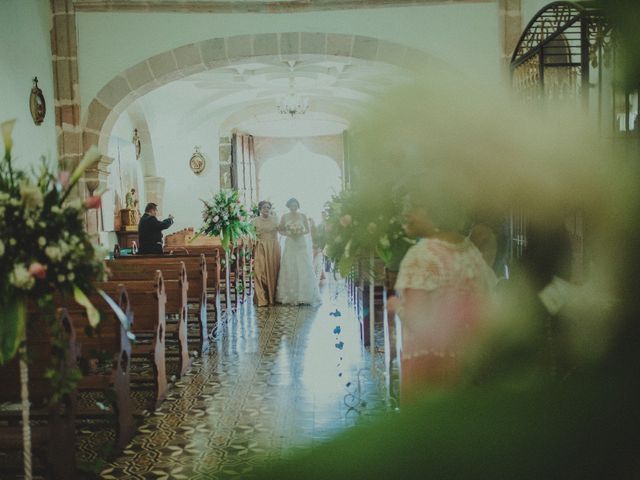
293	104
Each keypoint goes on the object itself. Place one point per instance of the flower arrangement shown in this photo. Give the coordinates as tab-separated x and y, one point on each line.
227	218
361	222
44	247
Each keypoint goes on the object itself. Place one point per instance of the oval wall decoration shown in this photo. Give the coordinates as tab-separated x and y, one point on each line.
37	105
197	163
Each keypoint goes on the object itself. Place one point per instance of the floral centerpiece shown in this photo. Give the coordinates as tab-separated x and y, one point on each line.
44	249
360	223
227	218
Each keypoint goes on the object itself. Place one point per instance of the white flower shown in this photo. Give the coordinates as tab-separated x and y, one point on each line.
71	276
76	204
31	196
69	266
1	248
54	253
6	128
21	278
56	209
61	278
384	242
13	242
29	223
42	241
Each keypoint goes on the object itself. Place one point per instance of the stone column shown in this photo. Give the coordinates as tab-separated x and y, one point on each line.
510	23
64	51
154	189
94	181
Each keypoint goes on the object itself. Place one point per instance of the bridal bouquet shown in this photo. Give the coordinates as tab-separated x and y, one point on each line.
44	247
227	218
294	229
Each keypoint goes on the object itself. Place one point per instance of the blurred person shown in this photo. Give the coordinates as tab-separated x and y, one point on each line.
318	242
267	256
482	236
150	230
442	287
297	282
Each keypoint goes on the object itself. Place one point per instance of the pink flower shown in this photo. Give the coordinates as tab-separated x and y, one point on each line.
63	178
93	202
37	270
345	220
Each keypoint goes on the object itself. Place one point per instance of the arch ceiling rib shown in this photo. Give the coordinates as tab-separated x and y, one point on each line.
248	6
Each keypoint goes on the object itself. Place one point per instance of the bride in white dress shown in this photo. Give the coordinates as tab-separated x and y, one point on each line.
297	281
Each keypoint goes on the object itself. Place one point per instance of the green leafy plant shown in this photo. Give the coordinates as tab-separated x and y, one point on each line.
359	223
227	218
44	247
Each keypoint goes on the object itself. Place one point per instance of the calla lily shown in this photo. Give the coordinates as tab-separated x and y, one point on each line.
91	157
7	129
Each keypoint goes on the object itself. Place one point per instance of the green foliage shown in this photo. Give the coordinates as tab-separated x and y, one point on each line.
44	248
361	222
227	218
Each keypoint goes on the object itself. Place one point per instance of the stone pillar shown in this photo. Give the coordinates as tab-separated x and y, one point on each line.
510	23
154	189
94	181
64	52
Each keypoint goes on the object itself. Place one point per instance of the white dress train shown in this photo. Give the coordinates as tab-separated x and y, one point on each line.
297	282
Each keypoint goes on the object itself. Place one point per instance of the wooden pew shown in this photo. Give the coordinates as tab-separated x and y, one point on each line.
147	301
53	435
176	293
109	340
139	267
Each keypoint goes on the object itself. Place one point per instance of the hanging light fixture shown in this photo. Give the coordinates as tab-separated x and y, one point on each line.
293	103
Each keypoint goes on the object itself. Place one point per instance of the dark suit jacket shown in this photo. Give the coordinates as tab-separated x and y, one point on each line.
150	233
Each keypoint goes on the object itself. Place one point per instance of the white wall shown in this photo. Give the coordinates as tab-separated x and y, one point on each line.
125	173
530	8
173	145
464	35
25	52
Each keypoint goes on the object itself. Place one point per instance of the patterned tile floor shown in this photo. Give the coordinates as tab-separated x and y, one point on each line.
278	379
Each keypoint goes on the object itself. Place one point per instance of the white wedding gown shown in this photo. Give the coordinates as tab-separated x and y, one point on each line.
297	282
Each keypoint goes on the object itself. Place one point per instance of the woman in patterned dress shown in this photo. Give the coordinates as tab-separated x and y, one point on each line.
443	285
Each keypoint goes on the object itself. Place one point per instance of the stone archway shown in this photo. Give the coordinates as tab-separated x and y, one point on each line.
125	88
122	90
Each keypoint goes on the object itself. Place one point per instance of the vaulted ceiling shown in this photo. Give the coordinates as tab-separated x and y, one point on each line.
245	95
262	6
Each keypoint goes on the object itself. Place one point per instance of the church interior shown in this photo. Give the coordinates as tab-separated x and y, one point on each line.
319	239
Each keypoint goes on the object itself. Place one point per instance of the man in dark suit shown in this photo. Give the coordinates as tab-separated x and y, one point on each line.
150	230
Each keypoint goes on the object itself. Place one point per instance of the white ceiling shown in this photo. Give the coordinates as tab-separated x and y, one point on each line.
245	95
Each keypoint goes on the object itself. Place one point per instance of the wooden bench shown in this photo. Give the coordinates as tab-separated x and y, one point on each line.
177	304
147	300
53	435
108	342
139	267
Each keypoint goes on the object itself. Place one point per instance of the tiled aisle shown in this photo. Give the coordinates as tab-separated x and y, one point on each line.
277	380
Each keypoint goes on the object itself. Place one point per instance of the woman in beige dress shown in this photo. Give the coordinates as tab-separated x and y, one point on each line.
267	256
